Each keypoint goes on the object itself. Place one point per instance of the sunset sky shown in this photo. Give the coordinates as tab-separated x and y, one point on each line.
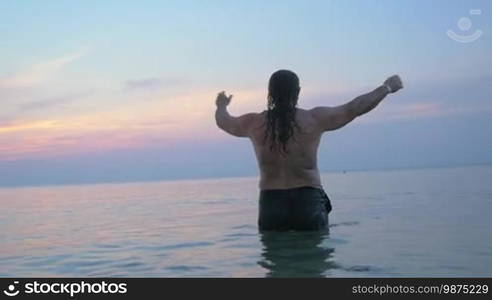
96	91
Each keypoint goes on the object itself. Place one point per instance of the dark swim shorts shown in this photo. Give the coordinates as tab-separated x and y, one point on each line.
302	208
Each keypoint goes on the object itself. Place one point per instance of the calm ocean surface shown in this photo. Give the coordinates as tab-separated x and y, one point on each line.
427	222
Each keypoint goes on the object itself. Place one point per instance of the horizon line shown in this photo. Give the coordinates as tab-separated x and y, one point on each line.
322	171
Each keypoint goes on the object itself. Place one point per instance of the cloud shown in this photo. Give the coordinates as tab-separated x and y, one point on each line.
419	99
5	122
34	125
407	111
189	116
53	101
39	72
158	123
152	83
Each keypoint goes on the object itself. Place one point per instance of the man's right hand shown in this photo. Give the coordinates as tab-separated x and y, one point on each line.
393	83
222	100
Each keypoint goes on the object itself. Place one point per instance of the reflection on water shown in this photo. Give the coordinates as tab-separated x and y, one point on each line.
295	254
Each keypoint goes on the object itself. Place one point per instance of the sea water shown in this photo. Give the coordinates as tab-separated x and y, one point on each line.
422	222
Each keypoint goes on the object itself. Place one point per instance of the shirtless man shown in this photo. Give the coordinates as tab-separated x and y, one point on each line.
286	140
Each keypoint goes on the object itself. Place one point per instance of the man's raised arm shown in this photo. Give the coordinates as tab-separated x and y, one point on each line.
331	118
237	126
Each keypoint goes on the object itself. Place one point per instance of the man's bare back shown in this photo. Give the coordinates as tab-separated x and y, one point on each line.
297	167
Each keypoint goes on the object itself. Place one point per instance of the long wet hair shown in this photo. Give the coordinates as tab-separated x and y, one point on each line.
283	93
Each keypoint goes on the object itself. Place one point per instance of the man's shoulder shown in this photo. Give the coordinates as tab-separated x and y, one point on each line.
307	114
249	120
322	112
254	116
303	110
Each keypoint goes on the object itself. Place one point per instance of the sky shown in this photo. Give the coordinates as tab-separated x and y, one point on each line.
108	91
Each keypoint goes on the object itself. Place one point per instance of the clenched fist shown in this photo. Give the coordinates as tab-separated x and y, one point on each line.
393	83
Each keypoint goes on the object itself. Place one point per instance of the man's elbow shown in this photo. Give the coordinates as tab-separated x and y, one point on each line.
219	122
230	129
353	113
222	125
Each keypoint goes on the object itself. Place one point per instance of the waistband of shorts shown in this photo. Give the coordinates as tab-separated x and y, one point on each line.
293	189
